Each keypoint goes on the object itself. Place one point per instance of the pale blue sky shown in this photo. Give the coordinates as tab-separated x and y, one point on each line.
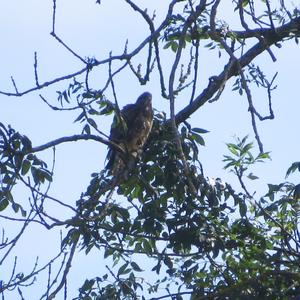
88	29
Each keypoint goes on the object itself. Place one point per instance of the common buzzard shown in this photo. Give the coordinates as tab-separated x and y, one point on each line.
130	130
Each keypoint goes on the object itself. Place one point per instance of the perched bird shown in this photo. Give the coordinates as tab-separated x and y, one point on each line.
130	130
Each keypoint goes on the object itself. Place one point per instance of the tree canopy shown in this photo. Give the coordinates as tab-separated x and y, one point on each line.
168	231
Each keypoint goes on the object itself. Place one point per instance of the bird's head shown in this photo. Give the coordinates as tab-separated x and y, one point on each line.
144	99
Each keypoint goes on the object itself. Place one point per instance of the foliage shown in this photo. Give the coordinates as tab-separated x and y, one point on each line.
199	237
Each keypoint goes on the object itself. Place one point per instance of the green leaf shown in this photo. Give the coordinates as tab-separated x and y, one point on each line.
265	155
252	176
174	46
18	160
209	45
233	148
198	139
40	175
296	194
65	95
246	149
92	122
108	252
295	166
123	269
242	208
86	129
71	237
136	267
80	117
147	247
3	203
47	175
199	130
245	3
23	212
168	262
93	111
87	286
167	45
27	145
15	207
25	167
273	188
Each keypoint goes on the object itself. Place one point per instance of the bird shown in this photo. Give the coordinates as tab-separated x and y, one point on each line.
130	130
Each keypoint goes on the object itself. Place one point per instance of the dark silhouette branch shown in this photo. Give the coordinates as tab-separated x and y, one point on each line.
53	33
66	270
111	227
35	70
270	38
13	282
74	138
95	63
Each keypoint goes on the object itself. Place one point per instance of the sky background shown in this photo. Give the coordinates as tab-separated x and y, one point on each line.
93	31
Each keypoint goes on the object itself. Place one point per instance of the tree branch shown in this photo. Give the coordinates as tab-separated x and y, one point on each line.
74	138
66	271
215	82
95	63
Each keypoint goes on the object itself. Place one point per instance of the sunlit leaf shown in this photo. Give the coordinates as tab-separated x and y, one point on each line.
198	139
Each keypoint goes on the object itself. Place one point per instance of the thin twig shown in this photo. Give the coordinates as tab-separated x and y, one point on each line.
33	189
35	70
112	83
53	15
235	62
16	238
55	278
95	63
66	271
251	109
53	33
14	84
69	49
196	63
59	108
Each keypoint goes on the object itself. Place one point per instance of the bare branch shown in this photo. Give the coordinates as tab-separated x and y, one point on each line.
14	84
195	71
35	70
251	109
66	271
74	138
53	15
271	38
69	49
31	275
16	238
53	33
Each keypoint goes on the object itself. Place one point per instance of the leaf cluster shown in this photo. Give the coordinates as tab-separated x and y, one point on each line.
208	244
16	163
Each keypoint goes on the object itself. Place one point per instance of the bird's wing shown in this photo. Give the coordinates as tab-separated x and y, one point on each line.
119	131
